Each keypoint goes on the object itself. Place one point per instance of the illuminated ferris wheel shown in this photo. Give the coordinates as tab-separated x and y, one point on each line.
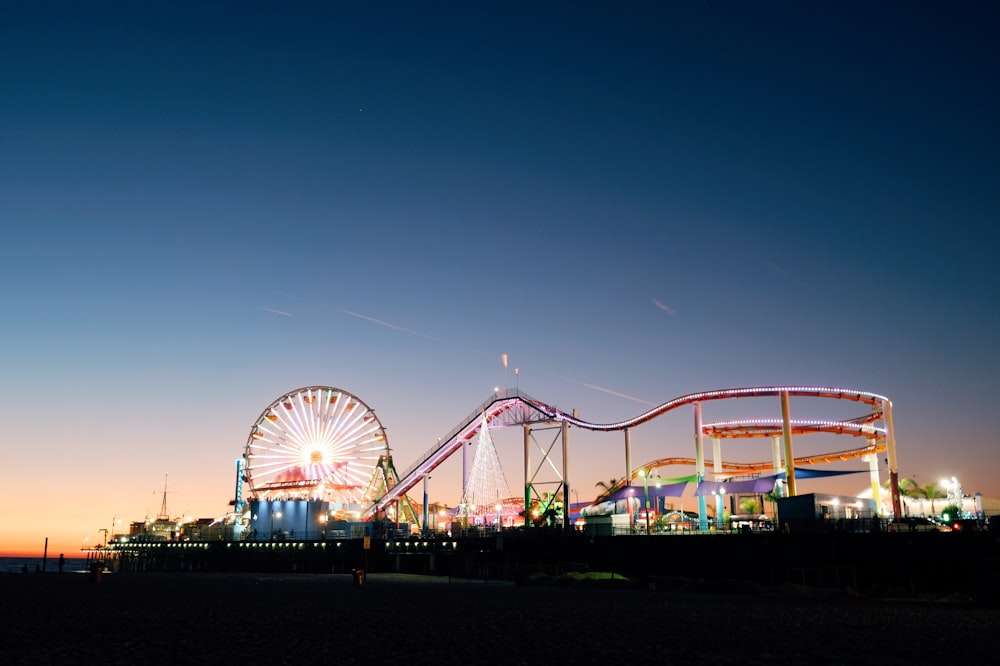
318	443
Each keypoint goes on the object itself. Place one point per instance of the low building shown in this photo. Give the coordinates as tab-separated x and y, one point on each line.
827	513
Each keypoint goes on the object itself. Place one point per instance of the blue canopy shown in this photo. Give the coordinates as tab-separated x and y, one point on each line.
675	489
764	484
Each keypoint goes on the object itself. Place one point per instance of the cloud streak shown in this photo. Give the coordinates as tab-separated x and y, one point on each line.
620	395
663	306
394	327
278	312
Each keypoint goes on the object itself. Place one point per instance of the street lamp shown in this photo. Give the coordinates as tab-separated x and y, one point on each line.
645	494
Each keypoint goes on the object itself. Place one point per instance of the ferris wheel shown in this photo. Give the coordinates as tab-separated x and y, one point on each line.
318	443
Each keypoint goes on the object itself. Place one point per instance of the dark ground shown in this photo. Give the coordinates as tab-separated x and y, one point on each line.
313	618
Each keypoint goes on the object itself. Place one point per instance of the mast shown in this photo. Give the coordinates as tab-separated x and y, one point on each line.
163	505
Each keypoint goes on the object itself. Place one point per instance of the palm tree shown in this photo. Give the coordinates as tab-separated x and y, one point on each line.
607	487
929	491
932	492
908	487
772	497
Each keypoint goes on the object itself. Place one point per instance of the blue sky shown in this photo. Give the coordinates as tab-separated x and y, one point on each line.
646	201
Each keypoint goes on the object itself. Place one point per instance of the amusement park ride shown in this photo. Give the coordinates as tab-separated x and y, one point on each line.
325	447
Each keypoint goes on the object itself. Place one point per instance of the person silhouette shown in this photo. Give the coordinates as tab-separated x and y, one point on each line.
62	561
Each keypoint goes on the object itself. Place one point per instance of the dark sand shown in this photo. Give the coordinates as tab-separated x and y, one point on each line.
391	619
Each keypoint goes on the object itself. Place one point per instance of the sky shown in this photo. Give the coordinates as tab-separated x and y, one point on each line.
208	205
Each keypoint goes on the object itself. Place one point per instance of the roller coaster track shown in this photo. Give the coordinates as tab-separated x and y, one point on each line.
513	408
766	466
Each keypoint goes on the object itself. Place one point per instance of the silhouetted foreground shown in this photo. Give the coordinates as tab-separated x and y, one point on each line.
128	618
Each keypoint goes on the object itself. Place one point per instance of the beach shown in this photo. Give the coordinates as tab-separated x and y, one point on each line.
314	618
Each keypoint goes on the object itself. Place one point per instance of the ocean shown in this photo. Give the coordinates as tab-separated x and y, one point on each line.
17	564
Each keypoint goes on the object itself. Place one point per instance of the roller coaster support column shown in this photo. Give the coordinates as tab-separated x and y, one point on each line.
567	519
465	468
776	453
720	507
872	460
786	432
890	443
628	457
527	475
423	523
699	457
717	470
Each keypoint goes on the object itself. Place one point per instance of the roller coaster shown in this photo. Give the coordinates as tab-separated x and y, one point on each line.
507	408
328	453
